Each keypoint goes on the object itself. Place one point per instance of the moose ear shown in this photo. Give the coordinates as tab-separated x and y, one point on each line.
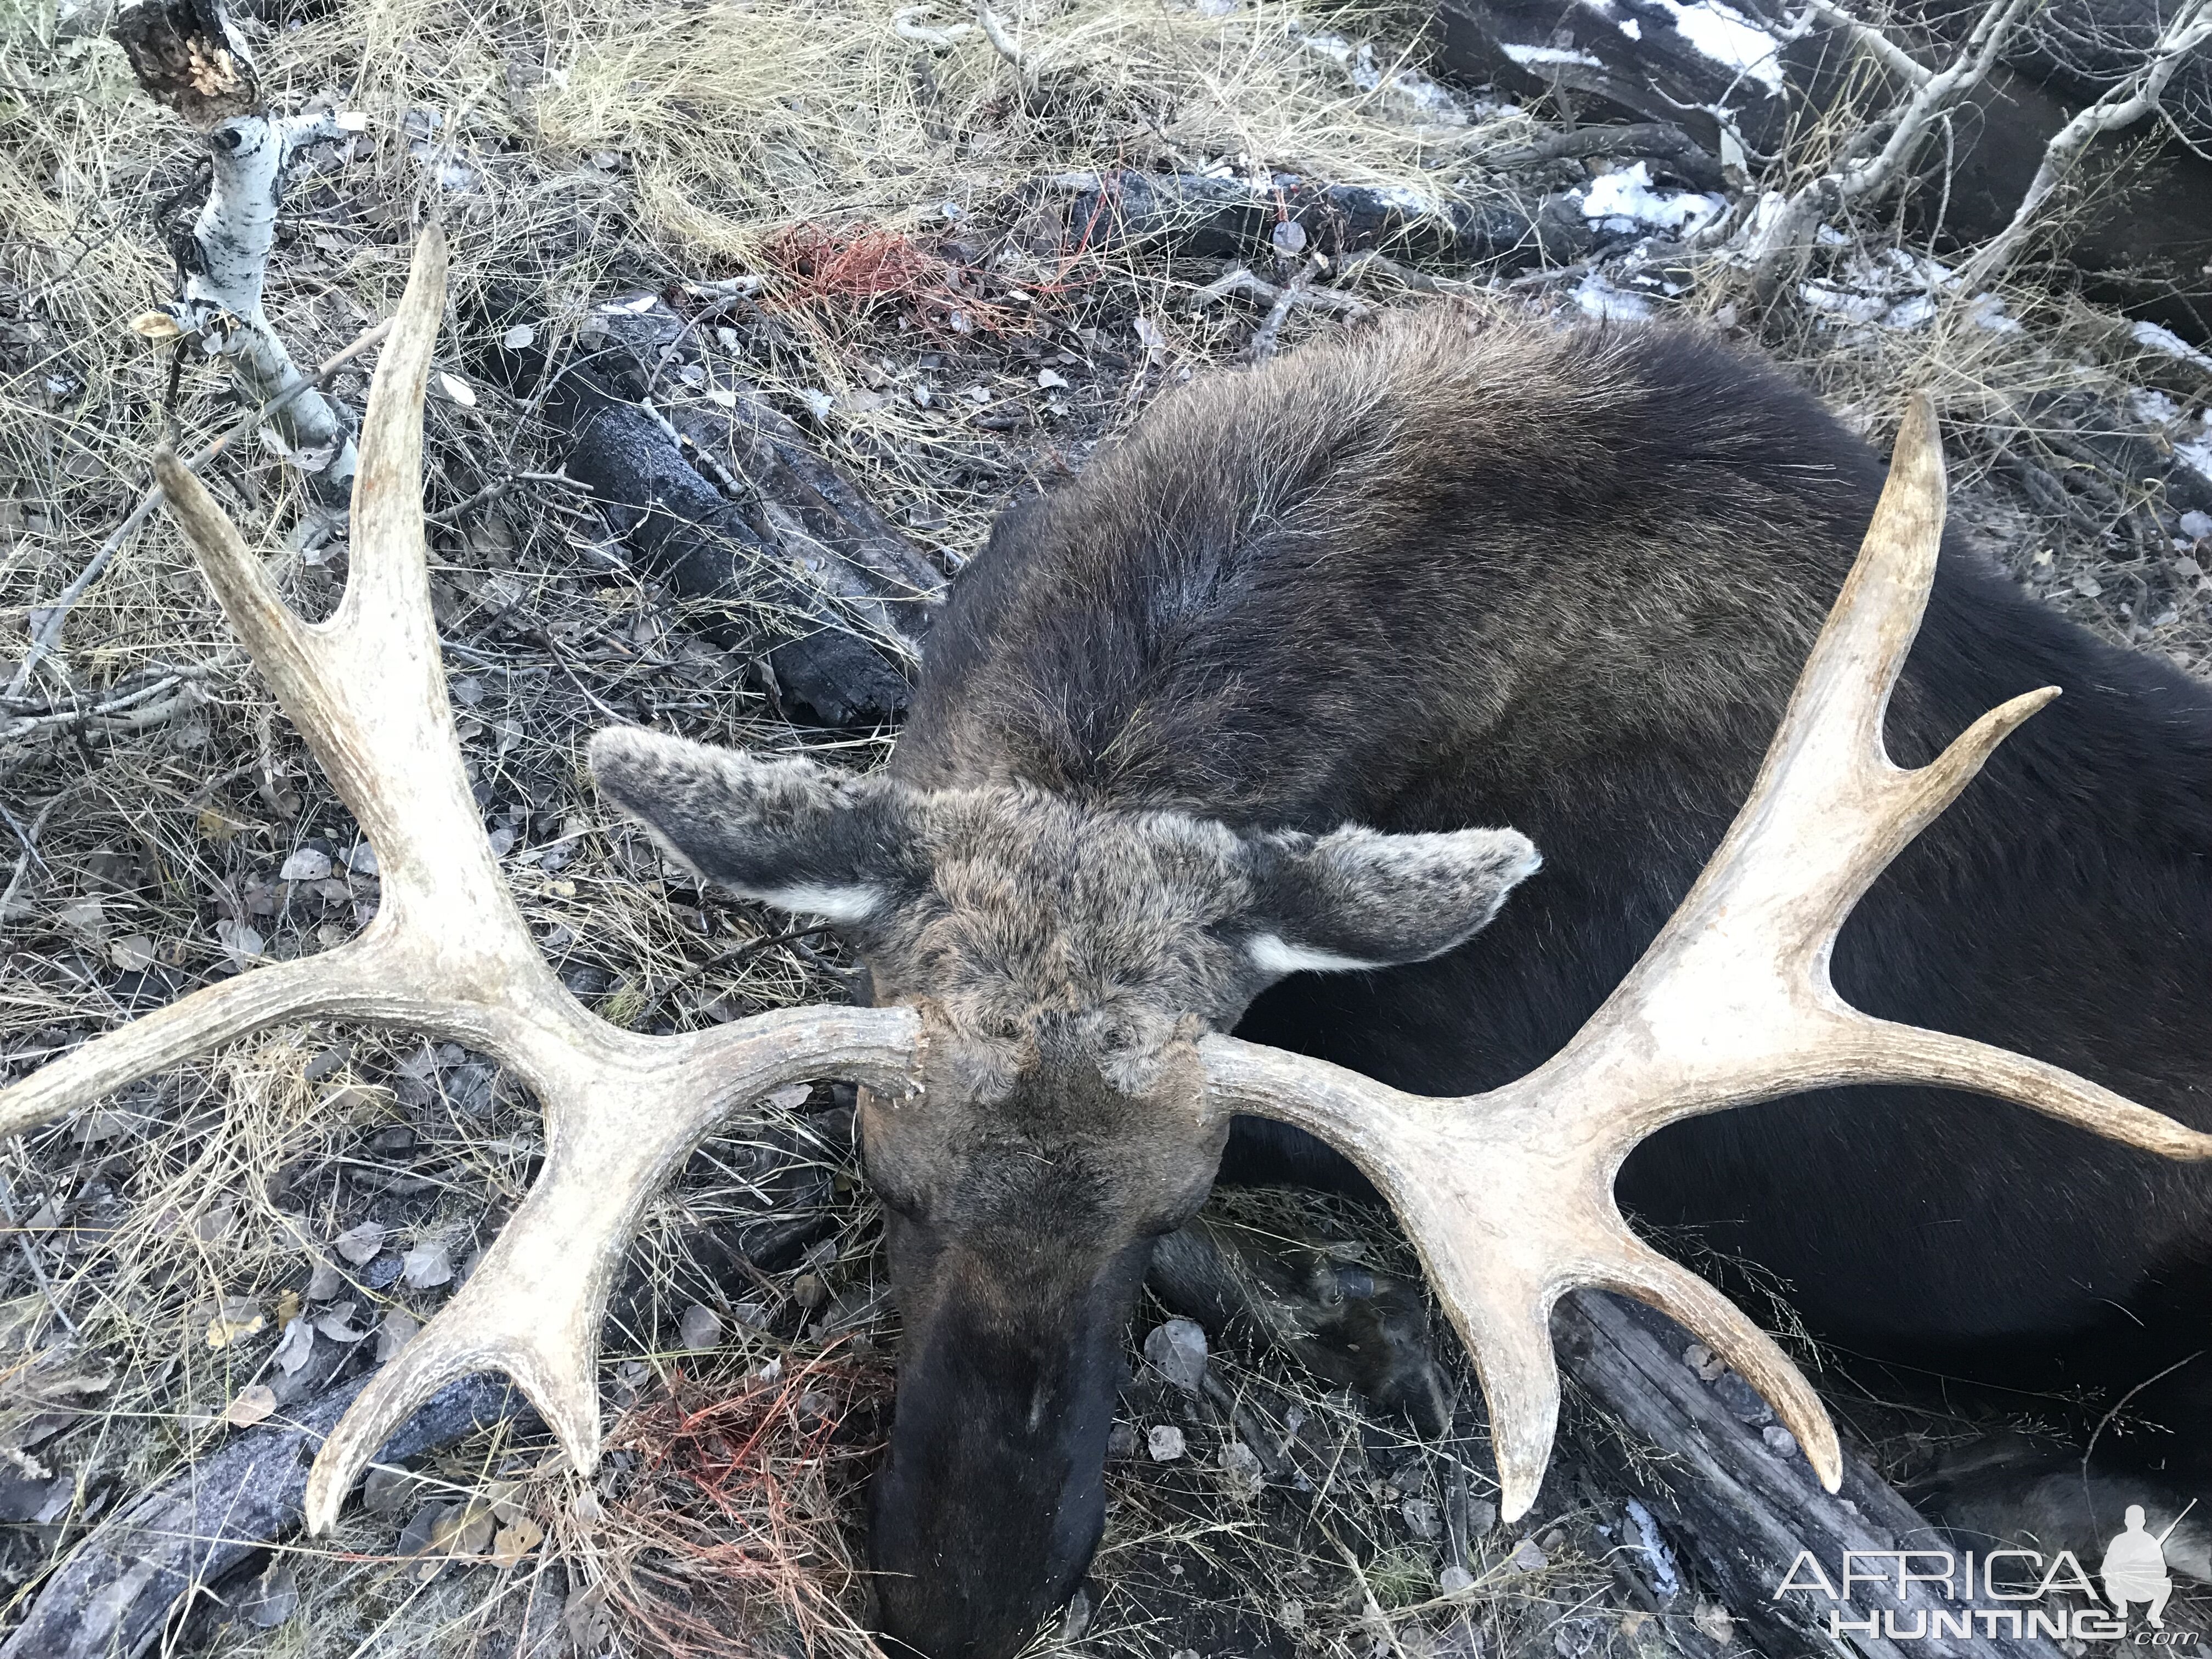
1360	898
791	833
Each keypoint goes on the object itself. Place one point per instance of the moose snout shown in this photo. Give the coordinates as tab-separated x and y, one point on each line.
987	1511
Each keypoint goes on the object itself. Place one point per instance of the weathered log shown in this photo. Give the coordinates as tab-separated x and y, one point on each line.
1232	218
688	534
138	1569
1733	1495
729	505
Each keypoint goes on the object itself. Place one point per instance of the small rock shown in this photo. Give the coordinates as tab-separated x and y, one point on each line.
1121	1441
1289	237
1482	1517
1177	1351
1779	1440
1528	1557
1703	1361
1166	1442
1421	1517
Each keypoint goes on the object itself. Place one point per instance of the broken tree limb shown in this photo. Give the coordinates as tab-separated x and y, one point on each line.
135	1570
1232	218
188	56
687	533
1733	1495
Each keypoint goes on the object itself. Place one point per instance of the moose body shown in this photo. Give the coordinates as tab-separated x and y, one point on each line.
1438	577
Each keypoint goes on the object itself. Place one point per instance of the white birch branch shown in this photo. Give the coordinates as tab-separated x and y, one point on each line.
2122	106
1934	94
188	55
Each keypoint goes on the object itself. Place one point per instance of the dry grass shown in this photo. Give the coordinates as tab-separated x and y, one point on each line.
888	195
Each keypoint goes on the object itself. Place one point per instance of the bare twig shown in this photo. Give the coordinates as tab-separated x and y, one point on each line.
51	630
1282	302
2122	106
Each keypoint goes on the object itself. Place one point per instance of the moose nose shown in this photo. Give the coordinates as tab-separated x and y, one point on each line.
985	1512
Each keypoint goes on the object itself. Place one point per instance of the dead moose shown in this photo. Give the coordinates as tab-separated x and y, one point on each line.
1198	746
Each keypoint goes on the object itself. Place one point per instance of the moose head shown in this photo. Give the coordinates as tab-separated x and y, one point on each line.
1064	961
1046	1086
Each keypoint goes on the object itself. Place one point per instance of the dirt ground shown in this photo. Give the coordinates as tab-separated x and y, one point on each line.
242	1235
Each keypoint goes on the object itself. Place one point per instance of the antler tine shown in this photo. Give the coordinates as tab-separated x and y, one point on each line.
633	1110
1508	1195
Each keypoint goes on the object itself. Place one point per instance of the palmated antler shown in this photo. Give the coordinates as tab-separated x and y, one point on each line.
448	953
1507	1195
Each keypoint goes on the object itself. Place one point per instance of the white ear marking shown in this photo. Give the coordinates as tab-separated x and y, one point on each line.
841	905
1274	954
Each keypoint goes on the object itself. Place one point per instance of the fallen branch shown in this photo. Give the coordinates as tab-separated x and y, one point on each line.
1733	1494
188	56
140	1567
1232	218
1661	141
2124	104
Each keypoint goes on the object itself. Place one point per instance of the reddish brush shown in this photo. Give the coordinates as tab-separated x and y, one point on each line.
857	267
733	1513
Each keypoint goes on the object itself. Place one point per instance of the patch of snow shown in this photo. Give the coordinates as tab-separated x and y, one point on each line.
1405	83
1837	301
1988	312
2198	452
2166	341
2153	407
1601	300
1911	313
1727	36
1631	27
1625	197
1530	56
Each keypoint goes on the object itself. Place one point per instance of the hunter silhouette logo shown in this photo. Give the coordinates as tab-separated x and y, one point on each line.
2134	1568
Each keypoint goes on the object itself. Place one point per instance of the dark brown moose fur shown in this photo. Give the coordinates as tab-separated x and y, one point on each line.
1447	574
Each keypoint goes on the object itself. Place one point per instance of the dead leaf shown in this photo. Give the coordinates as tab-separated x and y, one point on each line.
358	1245
288	1306
397	1331
520	338
133	953
700	1327
236	1320
155	326
428	1266
305	864
458	389
212	1226
296	1347
515	1541
255	1402
335	1324
325	1282
241	942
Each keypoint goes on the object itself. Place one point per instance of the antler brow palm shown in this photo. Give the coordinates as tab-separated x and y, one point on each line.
1507	1195
448	952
